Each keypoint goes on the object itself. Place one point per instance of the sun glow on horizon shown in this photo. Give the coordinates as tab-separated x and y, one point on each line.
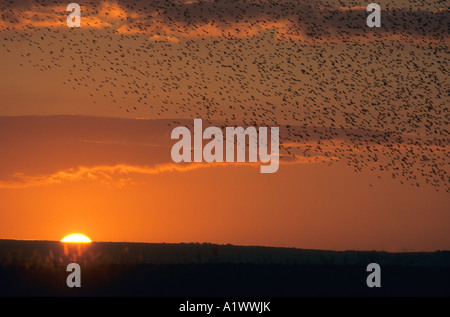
76	238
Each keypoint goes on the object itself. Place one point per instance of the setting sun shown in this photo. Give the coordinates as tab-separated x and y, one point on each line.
76	238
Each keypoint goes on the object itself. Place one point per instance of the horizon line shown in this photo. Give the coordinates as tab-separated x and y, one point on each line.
232	245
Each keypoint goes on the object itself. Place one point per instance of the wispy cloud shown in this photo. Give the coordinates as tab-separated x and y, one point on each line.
123	174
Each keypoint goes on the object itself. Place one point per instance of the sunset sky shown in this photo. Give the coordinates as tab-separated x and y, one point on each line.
86	116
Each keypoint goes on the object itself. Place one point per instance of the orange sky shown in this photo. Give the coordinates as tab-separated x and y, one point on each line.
105	172
78	179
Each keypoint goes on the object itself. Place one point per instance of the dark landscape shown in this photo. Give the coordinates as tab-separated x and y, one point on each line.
38	268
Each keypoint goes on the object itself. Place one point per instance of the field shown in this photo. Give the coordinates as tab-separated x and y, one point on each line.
38	268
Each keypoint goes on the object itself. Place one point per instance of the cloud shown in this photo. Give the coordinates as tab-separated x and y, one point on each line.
123	174
27	16
41	151
298	20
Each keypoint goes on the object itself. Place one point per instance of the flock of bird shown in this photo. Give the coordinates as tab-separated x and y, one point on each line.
374	98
